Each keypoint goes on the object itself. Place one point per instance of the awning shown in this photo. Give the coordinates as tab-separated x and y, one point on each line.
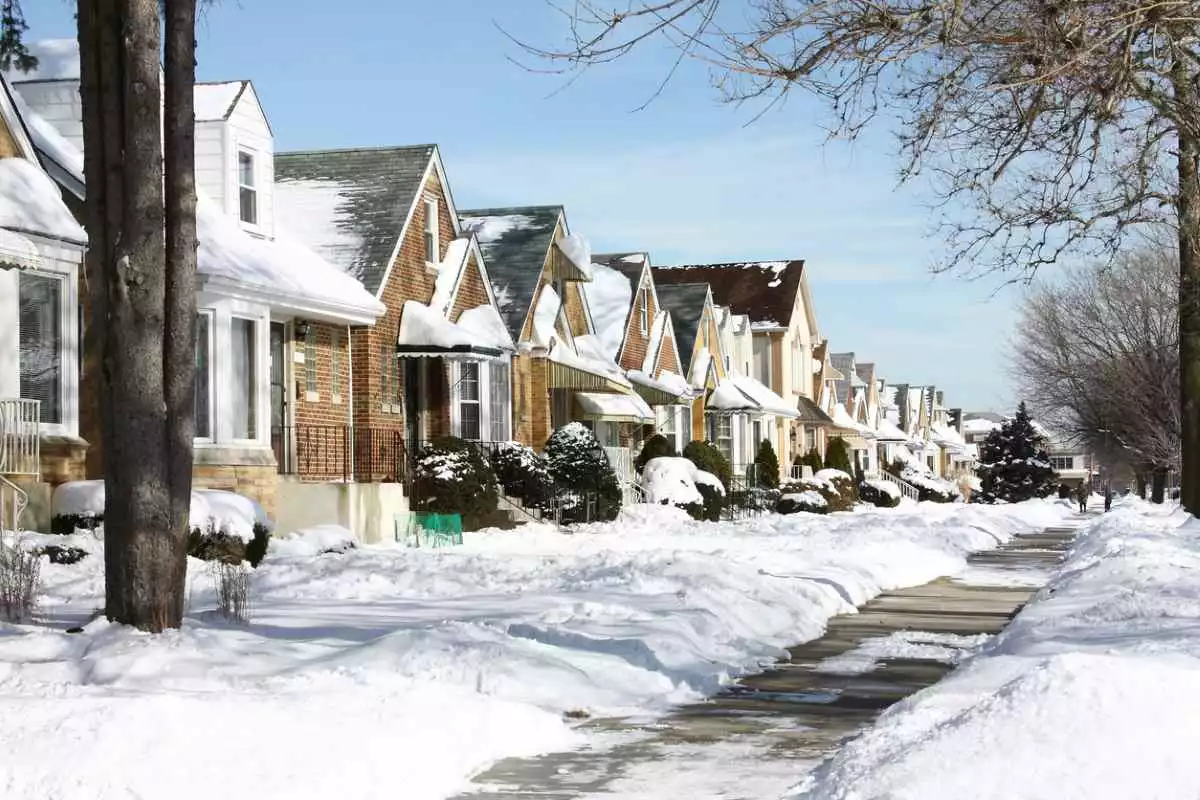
613	407
741	393
843	420
18	250
425	333
811	413
888	432
569	370
668	390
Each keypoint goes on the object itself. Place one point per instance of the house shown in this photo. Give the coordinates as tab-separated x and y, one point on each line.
775	296
254	285
438	361
41	252
849	399
638	333
563	370
889	436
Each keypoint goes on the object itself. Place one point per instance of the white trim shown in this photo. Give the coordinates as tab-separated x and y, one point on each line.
431	231
281	301
69	353
209	315
253	154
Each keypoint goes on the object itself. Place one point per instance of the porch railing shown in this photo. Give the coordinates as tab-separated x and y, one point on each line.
20	441
906	488
329	453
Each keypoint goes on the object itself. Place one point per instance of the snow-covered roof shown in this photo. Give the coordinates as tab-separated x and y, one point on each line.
426	331
609	296
58	60
668	382
686	304
979	425
216	100
627	407
740	392
842	419
764	290
887	431
31	203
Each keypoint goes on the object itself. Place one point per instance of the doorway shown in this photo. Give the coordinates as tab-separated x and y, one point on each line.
281	438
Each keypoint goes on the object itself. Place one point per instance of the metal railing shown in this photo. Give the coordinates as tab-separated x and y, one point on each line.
20	438
331	453
906	488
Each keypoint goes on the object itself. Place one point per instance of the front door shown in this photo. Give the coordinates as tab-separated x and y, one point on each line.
281	440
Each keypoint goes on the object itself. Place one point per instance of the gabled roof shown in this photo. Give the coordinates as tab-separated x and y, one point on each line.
352	206
515	241
628	264
217	99
763	290
685	303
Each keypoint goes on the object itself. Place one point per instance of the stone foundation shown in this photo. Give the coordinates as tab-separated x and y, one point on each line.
250	471
64	458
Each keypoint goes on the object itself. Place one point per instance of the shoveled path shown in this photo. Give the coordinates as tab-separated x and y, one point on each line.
763	733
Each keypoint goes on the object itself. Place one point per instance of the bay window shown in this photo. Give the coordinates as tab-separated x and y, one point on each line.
40	343
243	378
469	416
482	407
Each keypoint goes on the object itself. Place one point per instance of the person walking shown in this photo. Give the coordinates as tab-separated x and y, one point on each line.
1108	498
1081	495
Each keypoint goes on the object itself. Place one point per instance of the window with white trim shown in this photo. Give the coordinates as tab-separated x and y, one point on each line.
467	397
499	401
40	344
247	188
432	256
666	422
644	314
243	377
203	405
720	433
1062	462
310	360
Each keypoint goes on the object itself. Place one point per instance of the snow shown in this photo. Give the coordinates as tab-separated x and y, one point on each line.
624	406
1091	692
422	326
453	263
674	480
809	497
45	137
484	324
386	667
609	296
313	541
228	512
318	212
842	419
30	202
489	229
884	486
817	365
668	382
726	397
545	315
18	249
887	431
213	100
946	648
576	248
762	396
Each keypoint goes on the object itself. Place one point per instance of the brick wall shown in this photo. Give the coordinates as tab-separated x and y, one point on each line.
576	316
317	373
471	291
633	354
667	362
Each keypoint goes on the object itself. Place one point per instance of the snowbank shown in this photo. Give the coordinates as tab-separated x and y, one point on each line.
314	541
231	513
1092	692
388	669
674	480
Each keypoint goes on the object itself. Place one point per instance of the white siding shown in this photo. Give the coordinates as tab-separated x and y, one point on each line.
248	130
210	160
59	104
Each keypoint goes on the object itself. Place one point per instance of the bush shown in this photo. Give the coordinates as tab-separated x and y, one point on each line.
452	477
838	489
571	455
873	492
802	497
256	548
811	459
766	465
20	581
930	488
67	524
708	458
523	474
1064	492
657	446
213	544
837	456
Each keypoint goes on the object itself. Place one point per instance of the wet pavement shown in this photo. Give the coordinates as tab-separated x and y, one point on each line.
763	733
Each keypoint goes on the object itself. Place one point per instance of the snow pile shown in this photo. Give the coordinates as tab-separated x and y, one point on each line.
947	648
806	499
314	541
215	100
29	201
430	664
673	480
609	296
576	248
1091	692
886	487
489	229
230	513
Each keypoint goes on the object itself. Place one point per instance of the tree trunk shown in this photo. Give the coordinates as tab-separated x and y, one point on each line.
145	538
1158	485
1188	208
1140	478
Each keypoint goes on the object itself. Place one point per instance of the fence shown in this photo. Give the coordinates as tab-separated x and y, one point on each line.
330	453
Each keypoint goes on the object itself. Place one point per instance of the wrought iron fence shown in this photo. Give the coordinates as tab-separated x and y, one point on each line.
339	453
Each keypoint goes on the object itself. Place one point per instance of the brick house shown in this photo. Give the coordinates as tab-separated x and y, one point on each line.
438	361
638	333
252	281
41	250
561	372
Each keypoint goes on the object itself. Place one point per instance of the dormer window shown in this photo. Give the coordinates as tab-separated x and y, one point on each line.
432	256
247	188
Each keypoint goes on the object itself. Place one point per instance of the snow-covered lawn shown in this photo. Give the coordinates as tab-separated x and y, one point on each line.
1092	692
388	672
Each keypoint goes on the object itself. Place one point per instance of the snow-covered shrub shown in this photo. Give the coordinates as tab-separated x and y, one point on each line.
77	505
212	543
523	474
709	459
838	489
579	465
454	478
657	446
812	460
837	456
796	499
930	488
879	493
20	579
766	465
677	481
1013	464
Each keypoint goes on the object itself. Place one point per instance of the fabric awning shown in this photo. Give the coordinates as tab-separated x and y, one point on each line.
886	431
565	376
426	333
811	413
668	390
741	393
613	407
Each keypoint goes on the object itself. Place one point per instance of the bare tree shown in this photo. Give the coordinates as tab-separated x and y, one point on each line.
1059	127
1097	354
141	270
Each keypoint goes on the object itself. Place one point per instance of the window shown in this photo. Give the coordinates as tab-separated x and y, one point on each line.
390	382
467	391
499	397
685	425
762	359
204	376
757	428
432	255
247	188
1062	462
720	432
335	363
666	421
644	314
310	359
41	342
243	374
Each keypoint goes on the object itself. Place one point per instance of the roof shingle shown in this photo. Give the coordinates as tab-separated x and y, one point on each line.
685	302
763	290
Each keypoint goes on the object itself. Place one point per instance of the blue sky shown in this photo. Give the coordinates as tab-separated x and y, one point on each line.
688	178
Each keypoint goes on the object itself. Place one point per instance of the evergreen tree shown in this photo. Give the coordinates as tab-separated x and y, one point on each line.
766	465
837	456
1013	465
579	465
812	460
